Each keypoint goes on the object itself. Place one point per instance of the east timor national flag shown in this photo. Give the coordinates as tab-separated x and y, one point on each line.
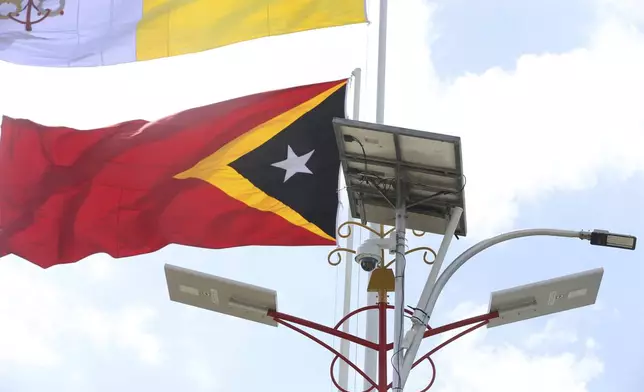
257	170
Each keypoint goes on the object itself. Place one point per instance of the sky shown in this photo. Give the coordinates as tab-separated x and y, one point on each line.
547	99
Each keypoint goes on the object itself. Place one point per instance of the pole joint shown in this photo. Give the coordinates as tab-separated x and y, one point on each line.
382	297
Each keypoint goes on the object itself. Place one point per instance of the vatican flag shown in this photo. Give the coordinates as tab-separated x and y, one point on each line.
72	33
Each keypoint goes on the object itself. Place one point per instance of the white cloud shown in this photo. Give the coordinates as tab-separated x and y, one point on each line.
467	309
27	310
474	364
100	267
202	375
632	10
126	329
551	334
551	124
39	316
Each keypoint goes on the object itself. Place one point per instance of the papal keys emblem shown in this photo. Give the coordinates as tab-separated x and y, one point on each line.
30	12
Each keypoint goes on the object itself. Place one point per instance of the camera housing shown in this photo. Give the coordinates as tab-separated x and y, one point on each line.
368	262
369	254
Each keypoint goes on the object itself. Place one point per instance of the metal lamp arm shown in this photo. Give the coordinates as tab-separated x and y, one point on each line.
417	331
485	244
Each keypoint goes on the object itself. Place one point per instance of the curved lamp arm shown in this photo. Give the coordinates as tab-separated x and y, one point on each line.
416	333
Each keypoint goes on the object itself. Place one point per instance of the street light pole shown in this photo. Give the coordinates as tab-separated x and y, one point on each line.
452	225
343	372
399	297
372	318
259	304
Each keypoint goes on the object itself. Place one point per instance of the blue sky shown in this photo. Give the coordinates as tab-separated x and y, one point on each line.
547	98
476	35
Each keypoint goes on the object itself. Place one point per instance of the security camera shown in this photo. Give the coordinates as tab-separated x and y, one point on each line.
368	261
369	254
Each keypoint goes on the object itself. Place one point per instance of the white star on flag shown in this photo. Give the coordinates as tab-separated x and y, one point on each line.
294	164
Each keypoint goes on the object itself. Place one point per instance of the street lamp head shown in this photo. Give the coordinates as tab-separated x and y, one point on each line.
546	297
612	240
221	295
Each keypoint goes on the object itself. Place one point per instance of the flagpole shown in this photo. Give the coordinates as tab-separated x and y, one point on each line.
371	333
372	327
382	62
400	208
343	372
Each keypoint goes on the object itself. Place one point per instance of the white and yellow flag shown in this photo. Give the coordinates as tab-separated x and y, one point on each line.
68	33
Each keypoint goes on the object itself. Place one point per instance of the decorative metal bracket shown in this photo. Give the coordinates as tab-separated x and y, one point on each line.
345	230
425	248
337	252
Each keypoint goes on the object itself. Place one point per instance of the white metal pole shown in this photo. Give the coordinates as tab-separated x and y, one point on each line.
357	90
462	259
450	230
343	372
399	299
420	318
370	356
371	329
382	63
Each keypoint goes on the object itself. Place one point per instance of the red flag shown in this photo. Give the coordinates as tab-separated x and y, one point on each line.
257	170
